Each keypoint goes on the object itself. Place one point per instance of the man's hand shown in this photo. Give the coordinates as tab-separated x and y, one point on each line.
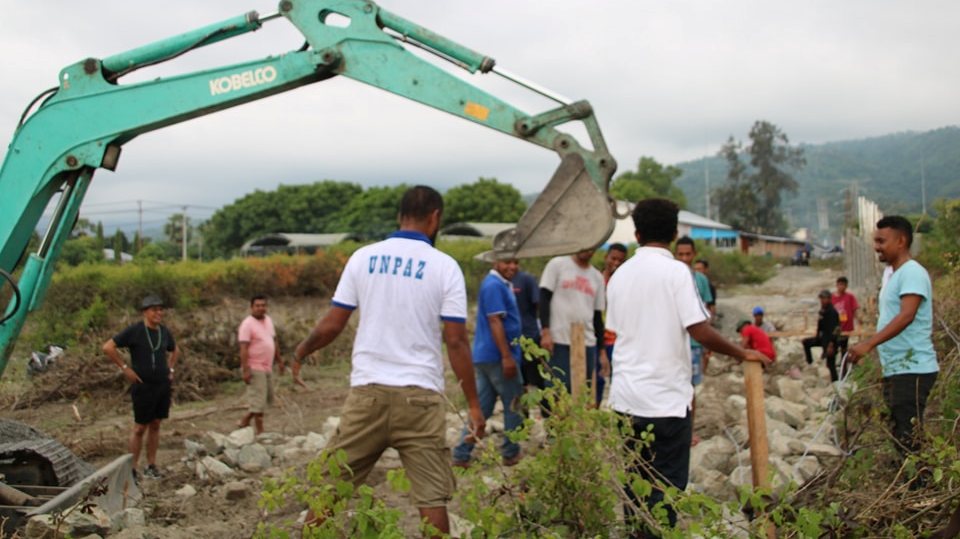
247	376
857	351
131	375
546	341
831	349
753	355
477	426
604	365
509	367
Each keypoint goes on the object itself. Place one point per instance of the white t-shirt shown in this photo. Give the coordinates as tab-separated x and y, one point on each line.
577	293
404	288
651	301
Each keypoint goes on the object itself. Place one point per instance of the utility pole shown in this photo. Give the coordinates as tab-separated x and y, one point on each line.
140	227
923	184
183	232
706	182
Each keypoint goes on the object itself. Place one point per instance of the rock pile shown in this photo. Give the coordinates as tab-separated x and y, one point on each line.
800	432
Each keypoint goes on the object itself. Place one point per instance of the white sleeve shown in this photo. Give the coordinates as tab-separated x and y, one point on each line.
346	295
689	305
600	301
454	306
612	321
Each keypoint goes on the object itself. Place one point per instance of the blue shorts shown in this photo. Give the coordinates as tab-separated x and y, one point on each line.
696	356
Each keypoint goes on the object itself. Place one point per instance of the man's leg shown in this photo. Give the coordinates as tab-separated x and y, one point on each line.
509	391
437	518
832	365
153	441
906	396
136	442
258	423
560	365
809	343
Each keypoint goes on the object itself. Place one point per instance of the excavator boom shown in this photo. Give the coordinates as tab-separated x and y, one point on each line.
87	118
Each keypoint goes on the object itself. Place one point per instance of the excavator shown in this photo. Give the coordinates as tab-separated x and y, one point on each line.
69	131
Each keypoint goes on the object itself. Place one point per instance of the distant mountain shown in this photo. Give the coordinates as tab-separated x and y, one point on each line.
886	169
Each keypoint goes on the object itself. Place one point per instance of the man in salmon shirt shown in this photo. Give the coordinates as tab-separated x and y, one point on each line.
258	350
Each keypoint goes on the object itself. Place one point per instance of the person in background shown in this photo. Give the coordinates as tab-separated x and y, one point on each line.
259	350
703	266
527	292
616	254
846	305
686	251
153	355
828	331
758	321
754	338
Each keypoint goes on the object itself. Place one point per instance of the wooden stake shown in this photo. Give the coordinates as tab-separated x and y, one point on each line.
578	360
757	426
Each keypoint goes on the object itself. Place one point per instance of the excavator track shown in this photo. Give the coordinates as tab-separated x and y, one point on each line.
28	456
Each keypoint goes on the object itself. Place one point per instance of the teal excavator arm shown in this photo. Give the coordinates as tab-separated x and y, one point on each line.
83	123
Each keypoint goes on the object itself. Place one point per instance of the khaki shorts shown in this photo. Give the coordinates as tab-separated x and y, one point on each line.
410	419
260	391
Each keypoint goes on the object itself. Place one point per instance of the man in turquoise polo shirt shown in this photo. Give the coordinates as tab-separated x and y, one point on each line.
904	328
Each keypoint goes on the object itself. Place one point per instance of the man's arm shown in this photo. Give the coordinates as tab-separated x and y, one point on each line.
909	305
110	349
598	328
500	339
704	334
245	362
458	350
172	359
546	340
322	334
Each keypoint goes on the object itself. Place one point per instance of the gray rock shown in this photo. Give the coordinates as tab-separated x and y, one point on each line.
209	467
823	450
253	458
712	455
453	436
741	476
214	442
330	426
185	492
791	390
270	438
292	453
735	408
807	467
236	490
194	449
231	456
75	524
790	413
240	437
298	440
315	442
715	484
495	425
129	518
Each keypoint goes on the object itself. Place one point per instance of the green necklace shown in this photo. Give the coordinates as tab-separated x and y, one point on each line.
154	349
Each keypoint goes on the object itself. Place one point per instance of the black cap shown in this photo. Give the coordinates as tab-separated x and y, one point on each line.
742	323
151	301
824	293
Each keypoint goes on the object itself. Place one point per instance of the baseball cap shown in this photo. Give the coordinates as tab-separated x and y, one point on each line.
757	310
824	293
151	301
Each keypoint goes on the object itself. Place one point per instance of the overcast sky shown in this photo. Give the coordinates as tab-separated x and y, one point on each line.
670	79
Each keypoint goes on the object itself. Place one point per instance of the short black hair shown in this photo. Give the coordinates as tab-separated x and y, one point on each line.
900	224
256	297
656	220
687	240
617	247
703	261
419	202
843	280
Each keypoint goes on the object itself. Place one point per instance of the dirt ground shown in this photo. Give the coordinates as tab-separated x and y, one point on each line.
100	435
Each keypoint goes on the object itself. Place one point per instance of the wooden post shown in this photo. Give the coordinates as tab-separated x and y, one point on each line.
756	422
757	426
578	360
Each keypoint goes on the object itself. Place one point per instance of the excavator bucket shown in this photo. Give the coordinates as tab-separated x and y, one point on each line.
570	215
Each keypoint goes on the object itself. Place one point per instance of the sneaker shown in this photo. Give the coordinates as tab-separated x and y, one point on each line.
151	472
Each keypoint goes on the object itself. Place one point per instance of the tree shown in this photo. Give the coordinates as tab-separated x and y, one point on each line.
311	208
750	199
100	239
485	200
651	180
372	214
79	250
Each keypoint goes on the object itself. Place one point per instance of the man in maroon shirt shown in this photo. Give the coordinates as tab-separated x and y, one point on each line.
846	305
754	338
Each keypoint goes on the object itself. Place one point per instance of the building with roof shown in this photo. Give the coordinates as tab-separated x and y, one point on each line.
474	230
294	243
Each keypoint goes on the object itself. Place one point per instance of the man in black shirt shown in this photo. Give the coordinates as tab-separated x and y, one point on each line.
828	330
150	374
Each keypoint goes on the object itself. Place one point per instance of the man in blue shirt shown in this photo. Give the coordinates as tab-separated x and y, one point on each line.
904	327
527	291
496	359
